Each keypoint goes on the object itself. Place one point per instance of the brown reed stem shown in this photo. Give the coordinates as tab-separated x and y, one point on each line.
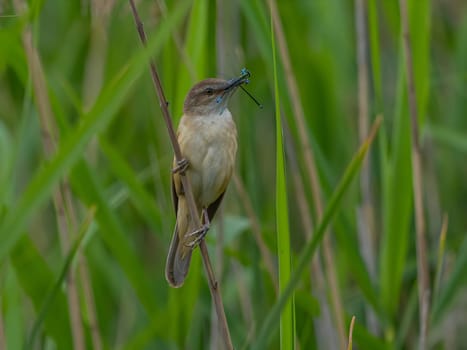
216	336
366	234
365	212
92	85
422	261
441	252
61	197
352	322
214	286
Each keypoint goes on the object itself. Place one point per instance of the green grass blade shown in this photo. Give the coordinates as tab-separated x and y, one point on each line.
142	200
255	13
71	149
356	264
397	205
373	28
420	31
6	163
363	339
197	49
457	101
287	328
310	248
35	278
61	278
407	317
112	231
454	139
11	300
456	281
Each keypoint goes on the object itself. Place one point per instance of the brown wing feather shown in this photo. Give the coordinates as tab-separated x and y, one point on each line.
214	206
174	196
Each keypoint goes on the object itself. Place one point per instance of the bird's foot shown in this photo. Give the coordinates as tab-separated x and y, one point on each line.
182	166
199	235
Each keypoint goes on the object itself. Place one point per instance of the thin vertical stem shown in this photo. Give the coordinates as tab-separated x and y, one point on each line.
310	166
49	140
214	286
216	336
92	84
422	262
367	240
352	322
365	214
441	252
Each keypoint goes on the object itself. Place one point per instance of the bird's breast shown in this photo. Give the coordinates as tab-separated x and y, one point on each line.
210	144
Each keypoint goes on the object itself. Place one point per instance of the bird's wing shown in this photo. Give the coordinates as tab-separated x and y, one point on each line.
174	193
214	206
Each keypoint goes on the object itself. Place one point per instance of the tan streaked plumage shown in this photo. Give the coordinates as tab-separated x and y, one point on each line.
208	140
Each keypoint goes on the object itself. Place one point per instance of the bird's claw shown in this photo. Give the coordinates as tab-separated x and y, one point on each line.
199	234
182	166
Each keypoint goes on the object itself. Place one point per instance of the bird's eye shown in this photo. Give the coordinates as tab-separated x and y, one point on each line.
209	91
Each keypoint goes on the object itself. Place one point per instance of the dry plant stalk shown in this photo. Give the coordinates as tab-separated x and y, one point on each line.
214	286
92	85
441	252
365	212
417	180
366	233
305	145
352	322
62	195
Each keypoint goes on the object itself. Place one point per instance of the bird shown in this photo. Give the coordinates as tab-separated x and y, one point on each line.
207	136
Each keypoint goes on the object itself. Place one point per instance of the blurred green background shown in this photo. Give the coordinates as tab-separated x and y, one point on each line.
101	188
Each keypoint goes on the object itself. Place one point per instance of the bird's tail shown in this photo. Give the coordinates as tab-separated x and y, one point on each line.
178	262
179	257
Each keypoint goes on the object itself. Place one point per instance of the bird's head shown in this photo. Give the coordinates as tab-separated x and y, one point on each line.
211	96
